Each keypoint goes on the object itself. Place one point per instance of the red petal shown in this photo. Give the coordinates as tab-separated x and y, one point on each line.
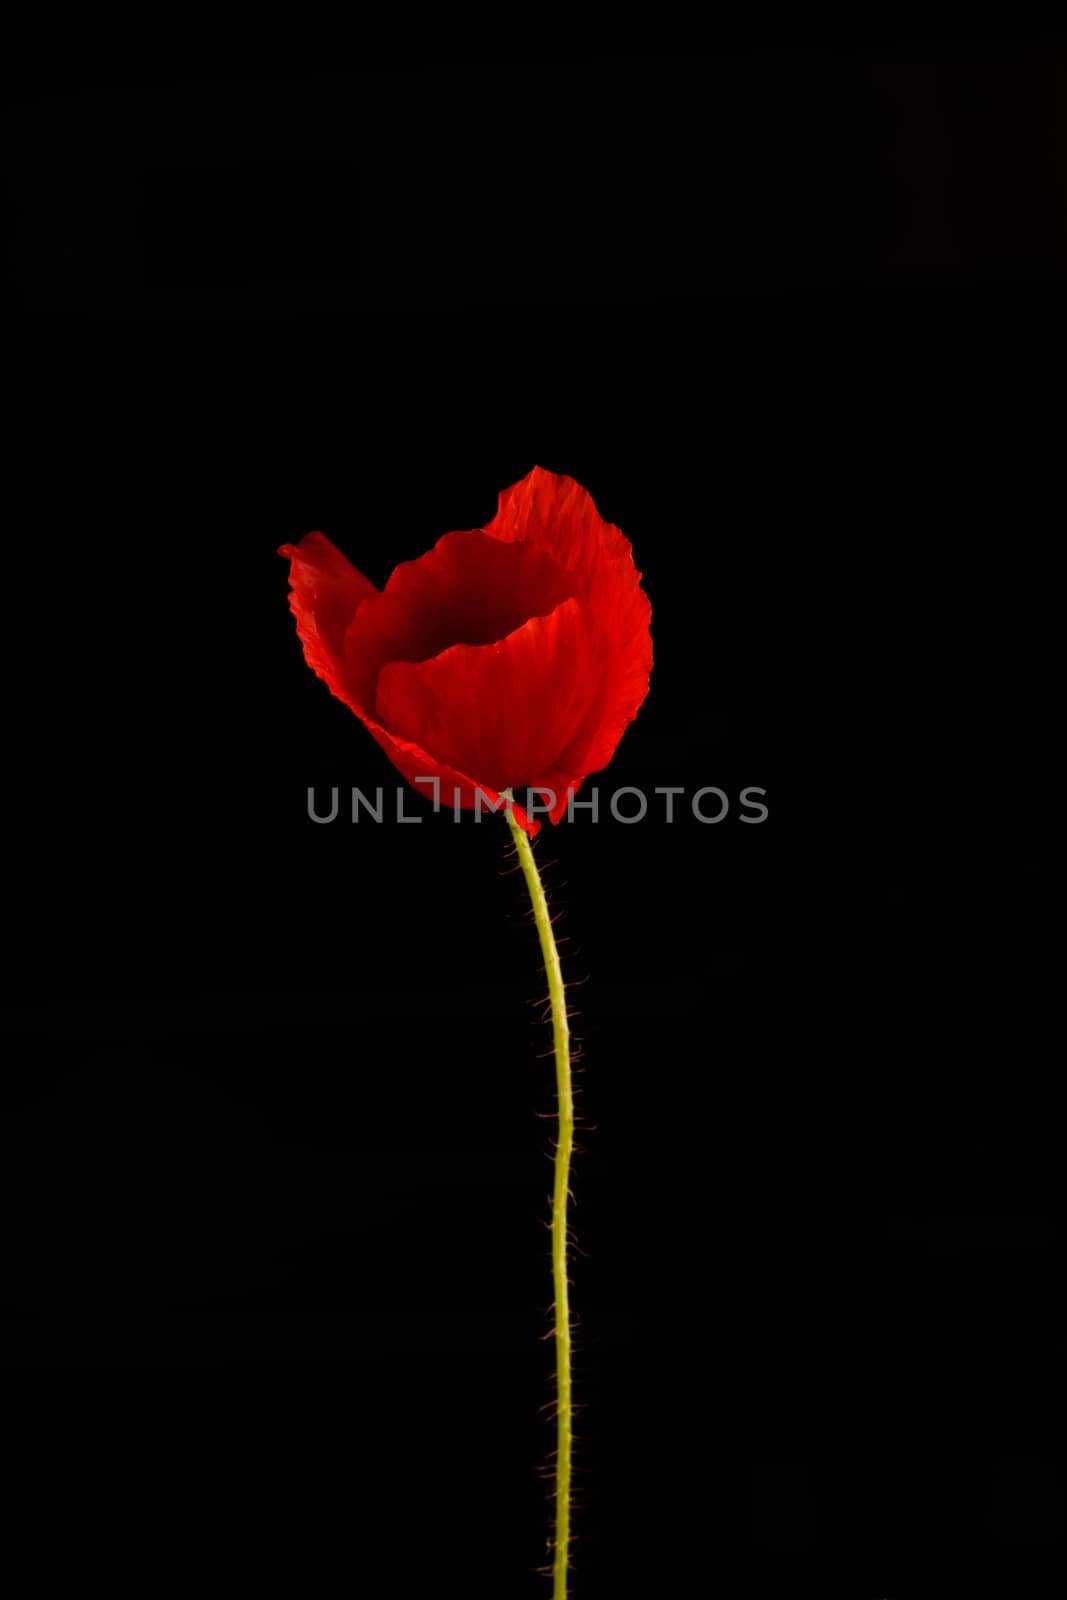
554	513
413	762
326	593
504	710
625	654
469	589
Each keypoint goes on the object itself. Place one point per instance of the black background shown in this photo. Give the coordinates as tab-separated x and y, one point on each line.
275	1271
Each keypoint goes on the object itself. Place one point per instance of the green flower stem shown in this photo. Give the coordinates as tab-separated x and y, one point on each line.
564	1147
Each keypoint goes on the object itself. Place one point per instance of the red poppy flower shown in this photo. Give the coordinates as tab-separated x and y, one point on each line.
507	657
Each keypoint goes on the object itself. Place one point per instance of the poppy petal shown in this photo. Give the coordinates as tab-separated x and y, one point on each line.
503	710
468	589
326	593
418	766
625	655
556	514
552	512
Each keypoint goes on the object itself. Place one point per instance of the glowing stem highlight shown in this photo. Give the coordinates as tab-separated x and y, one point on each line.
564	1148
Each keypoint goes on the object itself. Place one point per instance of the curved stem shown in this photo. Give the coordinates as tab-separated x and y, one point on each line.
564	1146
